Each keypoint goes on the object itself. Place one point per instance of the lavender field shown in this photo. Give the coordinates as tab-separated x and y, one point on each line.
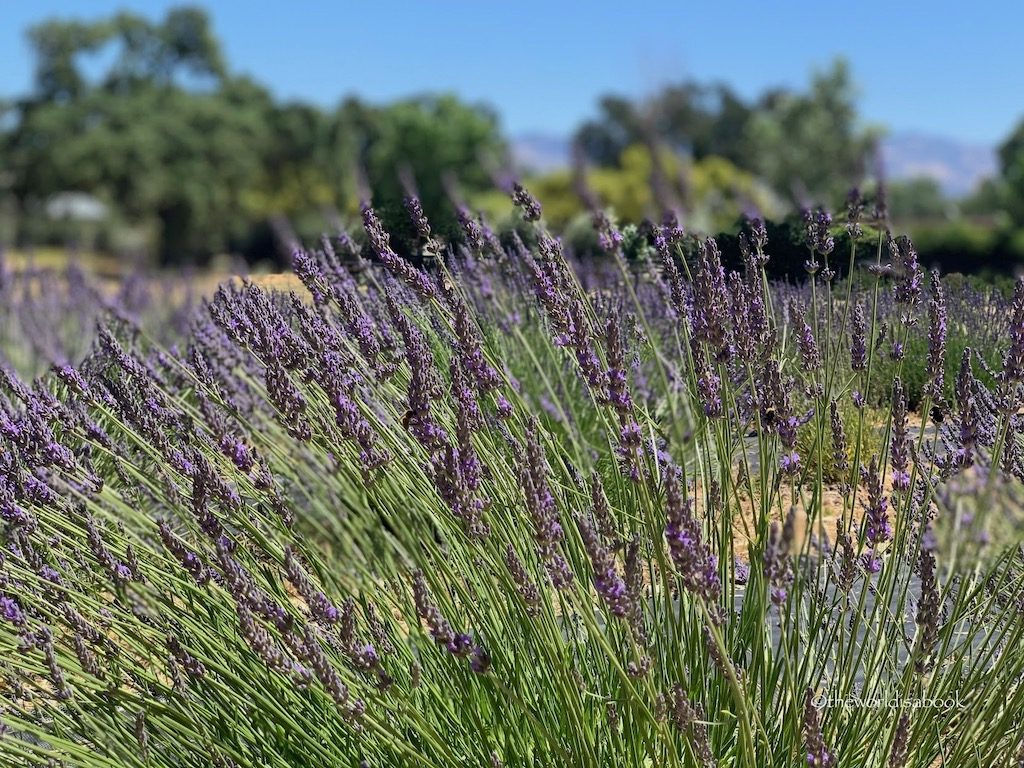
511	507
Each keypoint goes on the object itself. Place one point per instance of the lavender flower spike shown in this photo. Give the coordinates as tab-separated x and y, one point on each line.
521	198
877	528
697	566
778	568
609	584
937	339
900	447
858	343
547	528
818	754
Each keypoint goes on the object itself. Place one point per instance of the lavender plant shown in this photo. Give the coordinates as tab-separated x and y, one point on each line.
512	512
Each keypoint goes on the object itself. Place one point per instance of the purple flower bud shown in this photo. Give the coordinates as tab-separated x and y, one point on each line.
697	566
858	343
899	447
504	407
877	528
610	587
928	612
480	660
527	202
460	645
908	289
789	463
11	611
380	243
818	754
937	331
817	225
709	309
810	358
778	568
419	220
547	528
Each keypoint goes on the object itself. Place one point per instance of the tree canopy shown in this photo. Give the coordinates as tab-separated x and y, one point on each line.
808	146
199	159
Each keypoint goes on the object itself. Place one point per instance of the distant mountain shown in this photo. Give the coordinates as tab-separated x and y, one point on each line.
958	166
540	152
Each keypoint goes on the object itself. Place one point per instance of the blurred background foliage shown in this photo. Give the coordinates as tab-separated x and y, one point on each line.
138	141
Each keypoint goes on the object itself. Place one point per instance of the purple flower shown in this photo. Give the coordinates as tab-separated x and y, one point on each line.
877	528
504	407
1013	360
438	626
366	657
871	562
521	198
417	217
469	347
908	288
460	645
708	387
789	463
189	560
858	343
899	446
778	568
810	358
818	754
689	718
457	470
609	585
424	383
697	566
319	605
11	611
480	660
709	309
899	752
741	572
527	589
380	243
540	502
618	387
937	339
968	411
854	210
235	450
817	225
928	610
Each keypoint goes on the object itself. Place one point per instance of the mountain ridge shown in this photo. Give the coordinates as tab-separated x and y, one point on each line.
958	166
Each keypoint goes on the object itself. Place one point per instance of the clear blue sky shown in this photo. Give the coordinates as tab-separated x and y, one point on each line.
950	68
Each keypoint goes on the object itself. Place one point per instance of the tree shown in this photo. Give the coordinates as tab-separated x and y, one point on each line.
166	156
1011	171
915	199
809	147
178	147
424	141
619	125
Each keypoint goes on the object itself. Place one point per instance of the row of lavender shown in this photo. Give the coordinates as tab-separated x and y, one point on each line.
517	512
